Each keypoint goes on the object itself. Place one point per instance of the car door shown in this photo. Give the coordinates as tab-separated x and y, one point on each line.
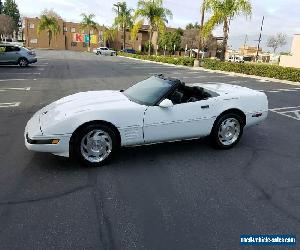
12	54
3	58
181	121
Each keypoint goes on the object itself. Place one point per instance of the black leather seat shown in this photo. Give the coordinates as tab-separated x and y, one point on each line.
176	98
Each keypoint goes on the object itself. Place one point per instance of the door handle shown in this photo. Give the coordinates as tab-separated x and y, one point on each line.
205	107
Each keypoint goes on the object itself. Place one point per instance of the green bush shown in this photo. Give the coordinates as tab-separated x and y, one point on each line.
265	70
186	61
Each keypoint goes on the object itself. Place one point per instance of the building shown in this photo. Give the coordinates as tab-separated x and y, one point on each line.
294	59
70	37
137	44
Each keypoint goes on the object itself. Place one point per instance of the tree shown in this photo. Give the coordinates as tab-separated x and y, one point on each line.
1	7
191	26
49	23
88	23
170	39
222	12
109	36
7	25
277	41
123	19
156	15
10	8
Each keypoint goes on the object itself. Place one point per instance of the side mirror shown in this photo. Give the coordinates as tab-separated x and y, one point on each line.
167	103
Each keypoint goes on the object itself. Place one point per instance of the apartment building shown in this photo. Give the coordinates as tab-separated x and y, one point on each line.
294	59
70	37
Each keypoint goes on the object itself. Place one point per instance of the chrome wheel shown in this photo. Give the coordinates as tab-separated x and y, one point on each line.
229	131
96	146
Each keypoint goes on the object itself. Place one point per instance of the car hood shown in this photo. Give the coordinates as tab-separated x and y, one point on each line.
81	102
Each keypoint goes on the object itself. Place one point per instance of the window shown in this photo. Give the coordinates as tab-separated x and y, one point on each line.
85	45
31	25
73	30
65	29
33	40
73	44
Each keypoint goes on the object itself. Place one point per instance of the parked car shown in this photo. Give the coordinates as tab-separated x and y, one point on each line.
105	51
13	54
93	125
237	59
130	51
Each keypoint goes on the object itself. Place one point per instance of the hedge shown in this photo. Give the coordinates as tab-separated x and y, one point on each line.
186	61
265	70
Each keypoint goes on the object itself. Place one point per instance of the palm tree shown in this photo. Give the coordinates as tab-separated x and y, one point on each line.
88	23
156	15
123	19
49	23
109	35
223	11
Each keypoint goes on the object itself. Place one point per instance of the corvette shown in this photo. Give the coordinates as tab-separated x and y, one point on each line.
93	125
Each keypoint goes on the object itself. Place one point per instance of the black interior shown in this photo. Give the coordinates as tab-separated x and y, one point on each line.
184	94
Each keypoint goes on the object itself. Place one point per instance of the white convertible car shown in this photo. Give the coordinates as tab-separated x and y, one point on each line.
92	125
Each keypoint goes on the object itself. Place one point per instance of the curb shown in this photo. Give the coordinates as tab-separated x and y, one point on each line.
265	79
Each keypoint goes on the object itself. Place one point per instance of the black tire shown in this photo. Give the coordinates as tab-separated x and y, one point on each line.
78	151
23	62
215	136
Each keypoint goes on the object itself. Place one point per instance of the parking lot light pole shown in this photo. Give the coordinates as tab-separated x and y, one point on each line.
117	5
197	61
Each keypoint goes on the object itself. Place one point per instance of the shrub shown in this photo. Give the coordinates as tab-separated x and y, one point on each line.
265	70
186	61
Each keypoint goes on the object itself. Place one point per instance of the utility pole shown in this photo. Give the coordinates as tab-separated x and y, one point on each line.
245	42
118	9
259	39
201	29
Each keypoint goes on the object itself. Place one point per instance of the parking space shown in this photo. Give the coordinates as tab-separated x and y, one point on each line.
170	196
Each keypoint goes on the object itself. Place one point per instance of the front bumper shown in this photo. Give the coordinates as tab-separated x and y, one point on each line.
32	60
35	140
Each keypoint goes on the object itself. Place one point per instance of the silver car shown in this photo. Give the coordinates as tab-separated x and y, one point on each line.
16	55
105	51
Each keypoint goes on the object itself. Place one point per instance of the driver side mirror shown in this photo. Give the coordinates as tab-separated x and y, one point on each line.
167	103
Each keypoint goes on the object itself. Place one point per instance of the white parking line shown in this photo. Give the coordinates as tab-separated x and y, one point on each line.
281	90
291	112
9	104
22	89
6	80
20	73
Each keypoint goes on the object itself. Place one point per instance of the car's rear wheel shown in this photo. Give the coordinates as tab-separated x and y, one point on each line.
227	131
95	144
23	62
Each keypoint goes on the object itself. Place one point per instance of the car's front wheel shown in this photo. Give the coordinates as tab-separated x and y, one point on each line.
23	62
95	144
227	131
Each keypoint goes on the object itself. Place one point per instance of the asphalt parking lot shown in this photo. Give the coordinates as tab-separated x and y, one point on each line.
182	195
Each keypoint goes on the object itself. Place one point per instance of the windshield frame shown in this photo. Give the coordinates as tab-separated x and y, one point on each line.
173	85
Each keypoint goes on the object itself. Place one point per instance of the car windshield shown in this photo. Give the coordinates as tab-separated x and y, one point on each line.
149	91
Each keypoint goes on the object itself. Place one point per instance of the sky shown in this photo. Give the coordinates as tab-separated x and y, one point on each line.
280	15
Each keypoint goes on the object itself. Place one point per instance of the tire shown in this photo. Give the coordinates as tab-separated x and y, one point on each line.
101	150
227	131
23	62
98	53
